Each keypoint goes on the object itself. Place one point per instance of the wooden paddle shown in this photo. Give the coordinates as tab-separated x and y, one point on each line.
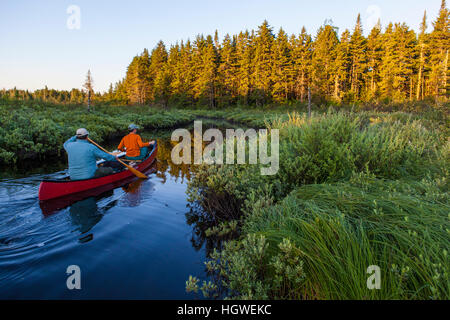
135	172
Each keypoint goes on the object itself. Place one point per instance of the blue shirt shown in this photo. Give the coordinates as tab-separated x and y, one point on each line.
82	158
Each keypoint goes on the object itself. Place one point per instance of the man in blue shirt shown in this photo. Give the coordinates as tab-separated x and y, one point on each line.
83	155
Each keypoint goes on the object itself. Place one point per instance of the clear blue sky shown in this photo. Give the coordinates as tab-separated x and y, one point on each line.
38	49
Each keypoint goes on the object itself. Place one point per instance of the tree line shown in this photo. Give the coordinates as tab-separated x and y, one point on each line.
261	67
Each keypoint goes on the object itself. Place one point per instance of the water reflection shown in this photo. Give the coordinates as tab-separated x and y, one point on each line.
196	216
84	214
137	192
166	168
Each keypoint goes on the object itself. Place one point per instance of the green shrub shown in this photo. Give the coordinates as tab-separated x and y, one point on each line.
248	271
30	131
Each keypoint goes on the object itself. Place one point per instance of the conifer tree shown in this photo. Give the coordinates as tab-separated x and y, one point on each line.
121	92
439	47
162	86
137	81
374	56
227	72
178	75
358	53
423	58
244	51
89	86
282	71
263	63
158	60
387	62
323	58
301	56
342	66
398	62
205	64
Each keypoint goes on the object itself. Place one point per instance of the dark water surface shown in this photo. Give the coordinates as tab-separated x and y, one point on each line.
133	242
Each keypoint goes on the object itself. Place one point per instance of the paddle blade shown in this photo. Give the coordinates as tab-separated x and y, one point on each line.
137	173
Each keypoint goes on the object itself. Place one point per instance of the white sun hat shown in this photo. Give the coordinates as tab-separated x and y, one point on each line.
82	132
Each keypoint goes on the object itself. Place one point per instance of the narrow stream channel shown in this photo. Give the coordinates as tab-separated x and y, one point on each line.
133	242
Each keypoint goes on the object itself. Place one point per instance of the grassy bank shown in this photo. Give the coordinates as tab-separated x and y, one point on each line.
31	131
353	190
36	130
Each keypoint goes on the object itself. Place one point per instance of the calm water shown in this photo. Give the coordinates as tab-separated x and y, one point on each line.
132	243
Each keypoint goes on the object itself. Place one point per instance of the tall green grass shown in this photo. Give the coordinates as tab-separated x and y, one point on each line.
353	190
343	228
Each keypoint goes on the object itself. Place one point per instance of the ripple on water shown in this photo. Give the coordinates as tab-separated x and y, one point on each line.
136	235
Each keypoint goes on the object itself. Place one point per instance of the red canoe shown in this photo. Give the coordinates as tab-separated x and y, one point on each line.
52	189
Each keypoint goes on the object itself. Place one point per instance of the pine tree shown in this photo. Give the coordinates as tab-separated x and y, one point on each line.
323	61
263	63
374	57
175	66
120	92
109	97
423	58
301	55
143	78
342	66
186	74
227	72
358	47
282	69
137	80
89	86
244	52
158	60
439	47
162	86
387	62
205	68
398	62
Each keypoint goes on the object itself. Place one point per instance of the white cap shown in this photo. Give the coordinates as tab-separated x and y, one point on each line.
82	132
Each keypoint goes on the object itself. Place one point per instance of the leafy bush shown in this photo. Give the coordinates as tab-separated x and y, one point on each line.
333	146
248	271
31	131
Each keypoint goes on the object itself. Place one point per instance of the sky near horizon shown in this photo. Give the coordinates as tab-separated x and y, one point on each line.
47	42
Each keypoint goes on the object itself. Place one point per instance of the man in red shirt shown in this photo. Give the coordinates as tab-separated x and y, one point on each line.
132	143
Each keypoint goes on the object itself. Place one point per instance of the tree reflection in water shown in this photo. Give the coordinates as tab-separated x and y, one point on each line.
197	217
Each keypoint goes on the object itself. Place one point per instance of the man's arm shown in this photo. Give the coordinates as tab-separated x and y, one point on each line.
121	145
142	144
99	154
72	139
